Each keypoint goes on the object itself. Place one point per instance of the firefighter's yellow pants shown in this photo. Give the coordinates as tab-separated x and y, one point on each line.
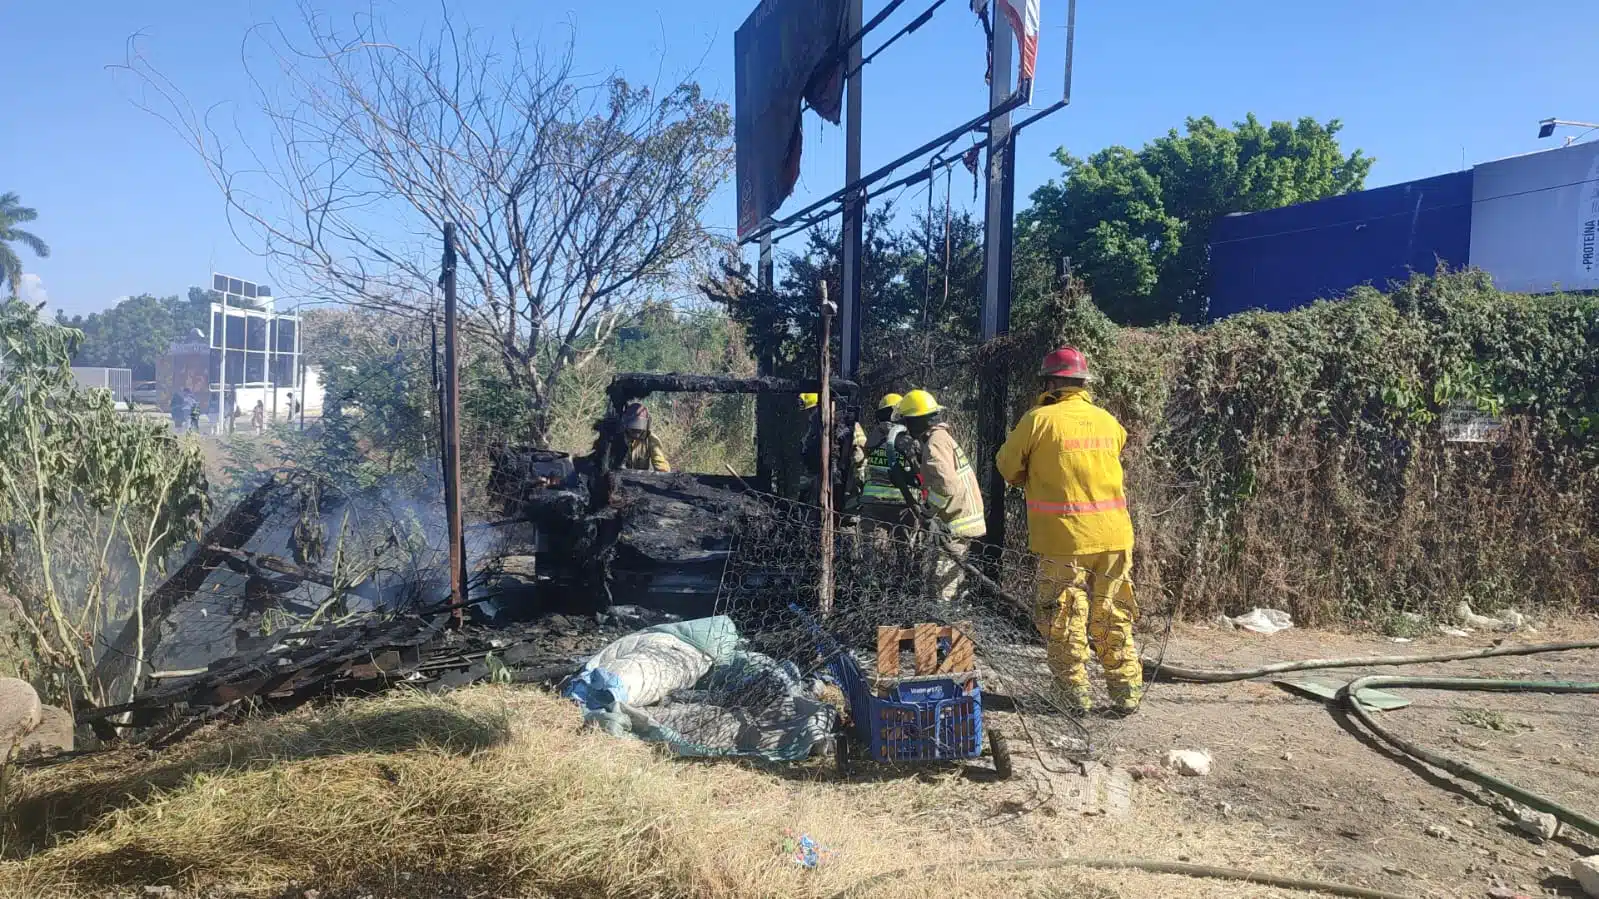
1085	599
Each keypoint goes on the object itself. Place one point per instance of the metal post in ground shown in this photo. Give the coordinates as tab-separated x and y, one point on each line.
824	479
854	207
222	370
452	436
1000	215
765	471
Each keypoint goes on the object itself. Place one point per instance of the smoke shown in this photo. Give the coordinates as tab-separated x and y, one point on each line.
31	290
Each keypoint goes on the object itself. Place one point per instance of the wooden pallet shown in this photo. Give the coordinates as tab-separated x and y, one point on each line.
960	658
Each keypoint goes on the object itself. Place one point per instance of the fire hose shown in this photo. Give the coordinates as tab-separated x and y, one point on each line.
1189	869
1350	695
1210	676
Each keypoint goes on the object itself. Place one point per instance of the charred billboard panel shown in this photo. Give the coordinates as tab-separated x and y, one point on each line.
1535	220
785	52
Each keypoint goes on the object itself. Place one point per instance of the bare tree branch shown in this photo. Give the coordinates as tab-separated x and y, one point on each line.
575	199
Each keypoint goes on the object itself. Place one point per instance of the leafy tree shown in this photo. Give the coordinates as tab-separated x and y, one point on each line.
137	332
1136	224
12	214
77	476
784	323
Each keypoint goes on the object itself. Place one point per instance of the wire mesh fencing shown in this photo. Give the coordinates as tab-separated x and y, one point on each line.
801	645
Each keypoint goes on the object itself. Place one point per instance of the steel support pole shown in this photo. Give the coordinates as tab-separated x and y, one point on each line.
765	409
452	436
854	210
999	233
222	373
824	483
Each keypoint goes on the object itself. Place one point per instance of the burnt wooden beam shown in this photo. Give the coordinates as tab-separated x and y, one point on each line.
628	386
234	530
284	568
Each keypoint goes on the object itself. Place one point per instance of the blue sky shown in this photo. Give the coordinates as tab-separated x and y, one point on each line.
1420	84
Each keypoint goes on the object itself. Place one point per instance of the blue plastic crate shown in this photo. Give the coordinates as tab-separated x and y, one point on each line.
932	720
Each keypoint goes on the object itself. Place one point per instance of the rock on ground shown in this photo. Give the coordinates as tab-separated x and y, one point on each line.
1539	825
1189	762
1585	871
54	733
19	712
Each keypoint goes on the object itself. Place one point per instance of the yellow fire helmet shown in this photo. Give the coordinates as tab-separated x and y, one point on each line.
917	404
889	401
809	400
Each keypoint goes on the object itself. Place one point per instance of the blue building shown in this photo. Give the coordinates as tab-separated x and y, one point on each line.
1532	222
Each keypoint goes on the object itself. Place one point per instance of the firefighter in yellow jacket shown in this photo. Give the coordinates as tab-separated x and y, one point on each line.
644	452
1066	454
950	484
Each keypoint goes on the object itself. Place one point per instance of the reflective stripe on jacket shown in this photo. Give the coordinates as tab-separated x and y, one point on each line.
1066	454
952	489
646	455
879	487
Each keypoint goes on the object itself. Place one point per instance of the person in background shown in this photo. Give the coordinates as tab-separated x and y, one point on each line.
952	491
233	413
191	410
811	451
1065	453
644	452
180	415
882	504
258	417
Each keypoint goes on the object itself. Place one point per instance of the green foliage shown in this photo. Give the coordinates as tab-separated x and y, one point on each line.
909	315
137	331
1136	224
12	214
698	432
379	421
1301	455
85	494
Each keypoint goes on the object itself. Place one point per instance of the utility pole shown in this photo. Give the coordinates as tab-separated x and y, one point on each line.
854	203
1000	217
452	436
824	484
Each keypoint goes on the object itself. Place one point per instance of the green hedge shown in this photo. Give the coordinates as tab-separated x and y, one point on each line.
1297	460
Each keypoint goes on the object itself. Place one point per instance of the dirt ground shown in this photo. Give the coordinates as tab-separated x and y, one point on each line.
1305	789
1296	790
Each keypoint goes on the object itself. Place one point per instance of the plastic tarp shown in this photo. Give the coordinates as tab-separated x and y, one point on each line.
692	687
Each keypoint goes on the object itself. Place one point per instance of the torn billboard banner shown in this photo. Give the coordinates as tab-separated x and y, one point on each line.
785	52
1023	17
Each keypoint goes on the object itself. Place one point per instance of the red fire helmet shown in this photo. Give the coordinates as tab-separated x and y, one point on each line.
1066	362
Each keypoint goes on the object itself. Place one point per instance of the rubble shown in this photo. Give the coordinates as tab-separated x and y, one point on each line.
1585	871
1189	762
1541	826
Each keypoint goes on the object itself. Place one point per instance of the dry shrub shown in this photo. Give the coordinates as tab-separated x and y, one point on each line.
497	791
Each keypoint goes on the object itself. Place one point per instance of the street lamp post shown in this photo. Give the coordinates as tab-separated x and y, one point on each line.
1546	128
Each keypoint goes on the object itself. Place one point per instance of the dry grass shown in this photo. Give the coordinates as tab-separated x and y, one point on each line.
498	792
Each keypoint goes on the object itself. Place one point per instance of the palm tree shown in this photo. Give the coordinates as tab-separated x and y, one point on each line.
12	214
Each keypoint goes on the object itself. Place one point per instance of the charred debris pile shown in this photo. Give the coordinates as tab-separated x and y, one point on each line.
266	614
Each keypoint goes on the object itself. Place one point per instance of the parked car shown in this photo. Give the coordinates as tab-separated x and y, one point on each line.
147	393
